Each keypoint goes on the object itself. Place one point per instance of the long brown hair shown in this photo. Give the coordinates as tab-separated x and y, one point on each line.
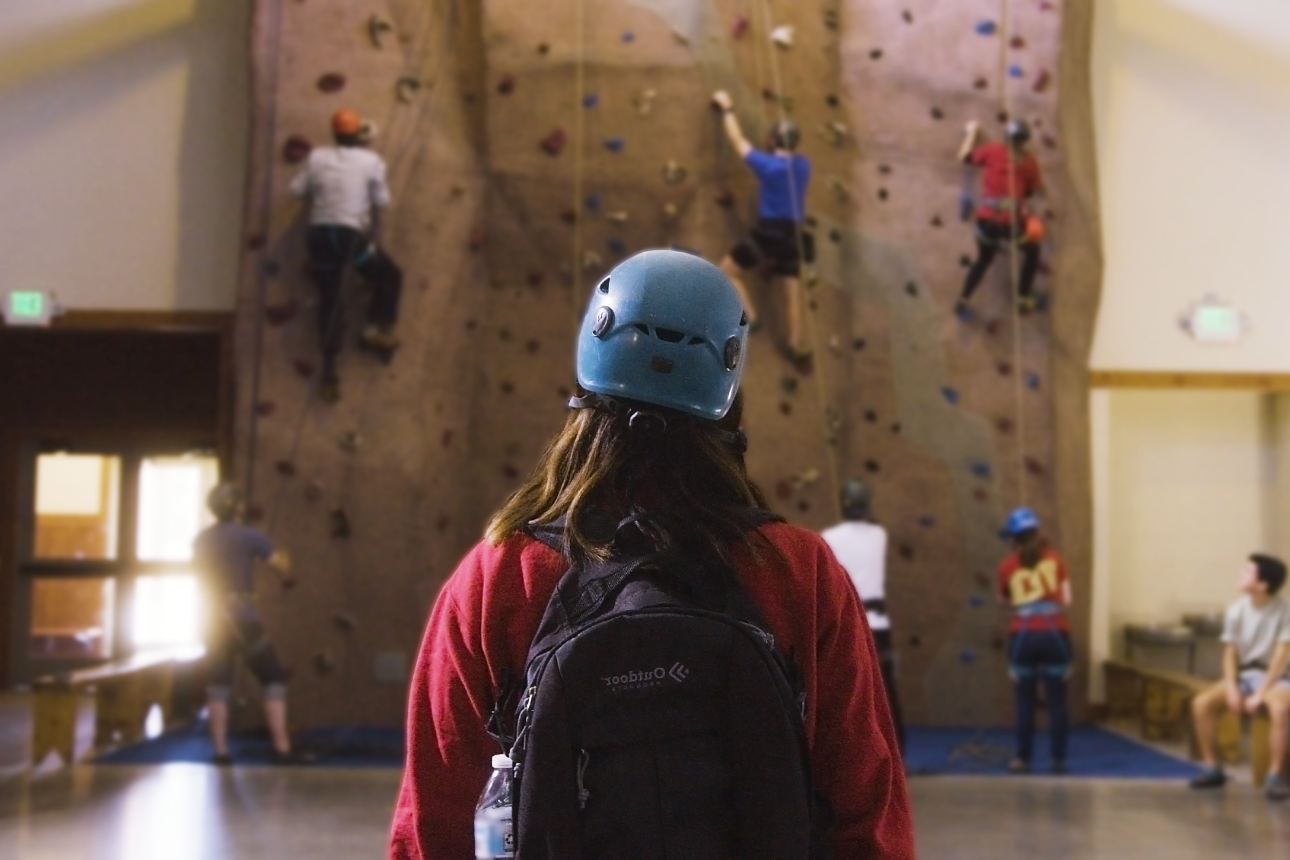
1031	546
687	480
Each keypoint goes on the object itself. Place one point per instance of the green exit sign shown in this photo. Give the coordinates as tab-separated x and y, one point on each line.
1212	320
28	307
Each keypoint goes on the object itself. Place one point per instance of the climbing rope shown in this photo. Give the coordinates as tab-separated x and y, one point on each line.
830	438
1014	263
579	160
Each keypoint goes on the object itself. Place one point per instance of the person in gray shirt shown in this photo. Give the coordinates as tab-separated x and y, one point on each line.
1256	672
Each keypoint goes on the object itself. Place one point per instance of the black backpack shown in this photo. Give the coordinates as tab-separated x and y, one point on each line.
660	721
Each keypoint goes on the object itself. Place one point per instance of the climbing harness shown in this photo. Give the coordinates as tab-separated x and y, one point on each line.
1048	610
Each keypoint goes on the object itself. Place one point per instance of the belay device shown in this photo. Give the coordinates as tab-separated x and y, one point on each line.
658	720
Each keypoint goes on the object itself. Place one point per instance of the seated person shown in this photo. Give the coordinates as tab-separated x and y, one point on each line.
1256	635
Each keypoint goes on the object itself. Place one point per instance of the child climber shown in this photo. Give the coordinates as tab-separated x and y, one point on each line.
1034	583
1009	178
1256	673
650	457
346	188
782	175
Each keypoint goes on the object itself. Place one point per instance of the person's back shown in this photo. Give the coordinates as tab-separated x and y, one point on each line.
861	548
344	183
225	555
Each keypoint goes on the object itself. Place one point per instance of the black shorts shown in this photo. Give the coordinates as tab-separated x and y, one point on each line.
774	244
236	631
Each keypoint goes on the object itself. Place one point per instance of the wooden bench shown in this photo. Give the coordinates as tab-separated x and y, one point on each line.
1161	700
115	698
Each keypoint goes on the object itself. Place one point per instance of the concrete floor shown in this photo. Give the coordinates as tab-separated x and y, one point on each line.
182	811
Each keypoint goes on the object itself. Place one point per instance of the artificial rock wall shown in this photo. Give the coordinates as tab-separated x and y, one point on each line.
531	148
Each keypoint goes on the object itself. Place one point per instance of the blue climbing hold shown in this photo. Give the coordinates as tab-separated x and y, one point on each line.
1015	72
951	395
981	470
986	28
629	36
965	206
976	602
967	656
1032	381
590	100
926	522
593	202
616	245
614	144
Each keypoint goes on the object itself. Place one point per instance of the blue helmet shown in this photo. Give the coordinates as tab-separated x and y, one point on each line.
1020	520
667	328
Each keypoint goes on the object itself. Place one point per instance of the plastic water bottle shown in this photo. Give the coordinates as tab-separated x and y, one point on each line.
494	838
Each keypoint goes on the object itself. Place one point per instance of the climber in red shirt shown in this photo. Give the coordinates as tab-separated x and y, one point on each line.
652	441
1009	178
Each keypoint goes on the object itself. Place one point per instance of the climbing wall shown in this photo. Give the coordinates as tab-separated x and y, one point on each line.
528	154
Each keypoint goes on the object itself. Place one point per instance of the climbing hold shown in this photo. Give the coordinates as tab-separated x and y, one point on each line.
535	279
803	505
445	439
782	36
906	552
285	468
967	656
1004	368
568	215
1004	425
835	236
975	601
965	261
911	289
785	407
993	326
915	641
724	198
831	100
553	143
981	470
331	82
1042	79
591	260
982	578
936	221
981	83
476	240
839	189
835	133
510	472
980	494
377	26
340	525
350	442
986	28
504	334
835	345
872	466
303	367
281	314
739	27
1016	72
805	478
629	36
590	100
616	245
265	408
831	19
619	217
324	664
926	522
783	489
951	395
296	149
314	491
256	242
614	144
506	85
674	172
343	621
789	384
1016	43
882	194
272	268
875	54
405	91
908	16
870	415
1035	467
1032	381
937	113
1049	141
670	211
644	101
443	522
532	346
506	387
543	49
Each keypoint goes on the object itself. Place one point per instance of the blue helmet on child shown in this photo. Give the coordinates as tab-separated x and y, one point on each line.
667	328
1020	520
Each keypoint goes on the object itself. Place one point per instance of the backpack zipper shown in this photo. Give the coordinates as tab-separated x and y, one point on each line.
584	759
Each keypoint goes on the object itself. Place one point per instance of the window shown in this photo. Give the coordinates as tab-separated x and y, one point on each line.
77	507
72	618
166	612
172	505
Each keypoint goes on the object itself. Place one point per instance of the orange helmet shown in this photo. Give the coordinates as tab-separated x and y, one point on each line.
346	122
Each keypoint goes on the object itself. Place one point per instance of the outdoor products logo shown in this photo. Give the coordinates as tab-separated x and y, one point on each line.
646	678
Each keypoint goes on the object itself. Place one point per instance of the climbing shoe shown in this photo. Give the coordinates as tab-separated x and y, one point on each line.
378	339
1213	777
1018	765
962	311
1276	788
329	390
1027	305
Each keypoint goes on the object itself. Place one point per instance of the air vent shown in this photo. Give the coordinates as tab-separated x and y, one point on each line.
644	328
604	286
669	335
696	340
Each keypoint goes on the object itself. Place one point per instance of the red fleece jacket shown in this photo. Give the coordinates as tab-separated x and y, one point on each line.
483	623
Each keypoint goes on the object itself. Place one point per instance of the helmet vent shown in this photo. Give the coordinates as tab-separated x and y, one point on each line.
604	286
644	328
696	340
669	335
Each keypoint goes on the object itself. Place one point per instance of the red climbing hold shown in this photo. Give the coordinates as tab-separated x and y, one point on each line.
1042	79
739	27
443	522
506	85
553	143
510	471
981	83
265	408
1017	43
476	240
303	367
1004	368
296	149
1035	467
281	314
331	82
446	439
535	279
256	242
1049	141
533	346
568	215
784	489
724	198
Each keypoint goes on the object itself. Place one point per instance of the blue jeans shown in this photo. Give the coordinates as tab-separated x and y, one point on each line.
1035	655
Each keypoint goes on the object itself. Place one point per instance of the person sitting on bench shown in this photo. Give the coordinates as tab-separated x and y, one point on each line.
1256	660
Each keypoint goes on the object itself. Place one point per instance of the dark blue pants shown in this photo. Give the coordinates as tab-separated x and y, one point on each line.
1035	656
334	247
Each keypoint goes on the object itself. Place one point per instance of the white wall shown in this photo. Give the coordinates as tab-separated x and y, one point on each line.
123	129
1192	104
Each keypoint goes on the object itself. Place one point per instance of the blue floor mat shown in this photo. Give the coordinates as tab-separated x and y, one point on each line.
1093	752
341	746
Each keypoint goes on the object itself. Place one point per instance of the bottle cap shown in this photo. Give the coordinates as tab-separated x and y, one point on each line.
501	761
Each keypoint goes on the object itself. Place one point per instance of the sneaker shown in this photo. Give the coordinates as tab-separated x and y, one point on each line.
1059	767
1018	765
1213	777
290	758
1276	788
378	339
